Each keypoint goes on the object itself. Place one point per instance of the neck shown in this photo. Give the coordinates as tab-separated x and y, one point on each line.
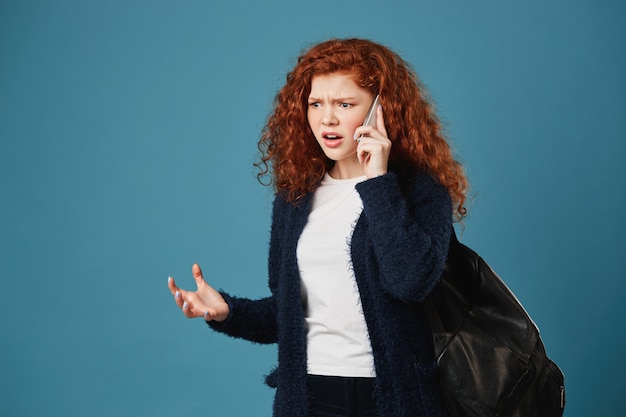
343	170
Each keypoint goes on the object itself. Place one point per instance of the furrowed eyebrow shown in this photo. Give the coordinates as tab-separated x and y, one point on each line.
335	100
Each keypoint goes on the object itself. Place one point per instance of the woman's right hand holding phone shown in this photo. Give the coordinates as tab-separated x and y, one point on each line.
374	147
205	302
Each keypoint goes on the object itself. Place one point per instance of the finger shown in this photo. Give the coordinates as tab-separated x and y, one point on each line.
208	316
362	153
213	314
369	145
178	298
363	132
197	275
373	156
171	285
176	292
370	131
189	311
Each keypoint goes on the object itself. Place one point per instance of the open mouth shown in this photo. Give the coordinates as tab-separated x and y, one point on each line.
331	136
332	139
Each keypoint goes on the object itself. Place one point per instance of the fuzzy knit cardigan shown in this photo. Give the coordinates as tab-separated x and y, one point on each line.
398	249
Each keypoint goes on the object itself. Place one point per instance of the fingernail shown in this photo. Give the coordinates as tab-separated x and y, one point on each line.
380	107
169	279
185	305
206	314
177	295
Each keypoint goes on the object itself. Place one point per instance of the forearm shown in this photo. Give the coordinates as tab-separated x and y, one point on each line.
253	320
410	234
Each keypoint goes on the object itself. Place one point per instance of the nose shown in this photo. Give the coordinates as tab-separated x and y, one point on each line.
328	117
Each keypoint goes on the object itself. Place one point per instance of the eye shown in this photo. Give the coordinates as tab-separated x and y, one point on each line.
314	104
345	105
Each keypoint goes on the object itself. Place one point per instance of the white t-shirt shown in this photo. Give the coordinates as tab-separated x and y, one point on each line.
338	342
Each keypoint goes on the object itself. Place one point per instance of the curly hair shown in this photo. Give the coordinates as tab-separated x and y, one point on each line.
295	161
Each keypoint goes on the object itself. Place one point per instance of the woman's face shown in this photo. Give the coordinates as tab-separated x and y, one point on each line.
336	107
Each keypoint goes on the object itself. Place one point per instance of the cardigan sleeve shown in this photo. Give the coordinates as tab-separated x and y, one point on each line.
409	234
256	320
253	320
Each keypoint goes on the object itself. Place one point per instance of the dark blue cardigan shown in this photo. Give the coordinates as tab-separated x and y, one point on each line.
398	248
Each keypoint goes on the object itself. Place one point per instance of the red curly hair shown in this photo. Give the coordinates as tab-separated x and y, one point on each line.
294	159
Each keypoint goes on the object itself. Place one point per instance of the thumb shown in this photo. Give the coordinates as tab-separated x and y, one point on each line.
197	275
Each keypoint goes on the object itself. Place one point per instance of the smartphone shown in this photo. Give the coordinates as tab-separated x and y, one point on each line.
370	119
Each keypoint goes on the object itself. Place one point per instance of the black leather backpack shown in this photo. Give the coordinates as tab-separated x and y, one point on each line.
492	362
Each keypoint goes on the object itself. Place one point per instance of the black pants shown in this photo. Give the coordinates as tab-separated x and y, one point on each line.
335	396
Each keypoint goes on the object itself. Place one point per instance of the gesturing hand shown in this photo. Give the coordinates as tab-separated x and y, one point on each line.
374	147
204	302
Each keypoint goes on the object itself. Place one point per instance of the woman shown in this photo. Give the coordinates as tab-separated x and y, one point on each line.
360	230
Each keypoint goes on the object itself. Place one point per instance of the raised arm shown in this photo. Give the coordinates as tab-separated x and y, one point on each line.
409	233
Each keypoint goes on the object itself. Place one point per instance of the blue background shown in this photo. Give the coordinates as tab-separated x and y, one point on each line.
128	130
